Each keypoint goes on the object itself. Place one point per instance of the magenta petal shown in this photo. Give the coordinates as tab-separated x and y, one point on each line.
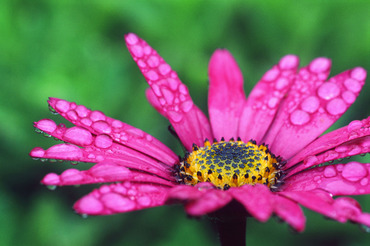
189	122
340	179
256	199
209	202
348	208
95	122
263	102
312	106
101	173
349	140
226	95
290	212
354	147
120	198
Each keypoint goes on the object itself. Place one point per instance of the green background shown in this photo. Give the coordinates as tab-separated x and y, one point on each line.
75	50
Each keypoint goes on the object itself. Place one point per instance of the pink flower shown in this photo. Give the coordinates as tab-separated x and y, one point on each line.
287	110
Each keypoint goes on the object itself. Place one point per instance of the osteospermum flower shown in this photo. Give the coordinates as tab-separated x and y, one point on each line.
263	152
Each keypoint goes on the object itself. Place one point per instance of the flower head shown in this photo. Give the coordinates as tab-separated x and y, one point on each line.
264	151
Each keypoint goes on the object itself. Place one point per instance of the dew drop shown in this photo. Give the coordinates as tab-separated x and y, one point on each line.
62	106
144	201
353	85
164	69
82	111
330	172
320	65
153	61
336	106
299	117
349	97
137	51
151	75
97	116
52	110
328	90
64	151
117	202
46	125
271	75
84	216
103	141
364	181
78	135
51	187
183	90
310	104
187	106
175	116
102	127
358	73
273	102
168	96
354	171
288	62
131	39
354	125
72	115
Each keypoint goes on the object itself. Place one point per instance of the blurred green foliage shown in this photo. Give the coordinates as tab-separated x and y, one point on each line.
75	50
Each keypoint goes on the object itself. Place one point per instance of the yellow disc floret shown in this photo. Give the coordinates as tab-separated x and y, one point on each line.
231	164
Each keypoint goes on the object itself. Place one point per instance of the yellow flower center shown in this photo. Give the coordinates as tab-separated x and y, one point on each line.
231	164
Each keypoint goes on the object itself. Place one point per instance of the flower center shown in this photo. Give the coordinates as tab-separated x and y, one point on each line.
231	164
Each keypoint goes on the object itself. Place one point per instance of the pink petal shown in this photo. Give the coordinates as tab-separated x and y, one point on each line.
290	212
312	106
340	140
340	179
128	158
175	102
256	199
121	198
101	173
199	200
348	208
354	147
97	123
264	100
226	95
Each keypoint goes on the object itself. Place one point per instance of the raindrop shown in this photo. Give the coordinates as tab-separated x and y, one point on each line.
51	187
328	90
52	110
336	106
84	216
365	228
74	162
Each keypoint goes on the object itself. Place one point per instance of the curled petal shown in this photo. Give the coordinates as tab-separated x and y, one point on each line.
226	95
340	179
120	198
173	99
312	106
264	100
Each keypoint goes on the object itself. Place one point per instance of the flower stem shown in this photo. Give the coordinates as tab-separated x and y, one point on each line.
232	232
231	223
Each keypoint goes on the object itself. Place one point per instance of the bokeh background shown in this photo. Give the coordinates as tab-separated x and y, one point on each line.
75	50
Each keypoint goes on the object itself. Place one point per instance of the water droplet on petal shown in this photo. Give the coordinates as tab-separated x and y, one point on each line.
82	111
288	62
164	69
86	121
137	51
89	205
64	151
349	97
51	187
273	102
358	73
365	228
37	152
97	116
352	85
310	104
153	61
329	172
102	127
51	179
281	83
46	125
71	176
52	110
354	125
175	116
320	65
299	117
354	171
187	106
271	75
144	201
364	181
72	115
336	106
328	90
103	141
131	39
117	203
62	106
151	75
78	135
168	96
